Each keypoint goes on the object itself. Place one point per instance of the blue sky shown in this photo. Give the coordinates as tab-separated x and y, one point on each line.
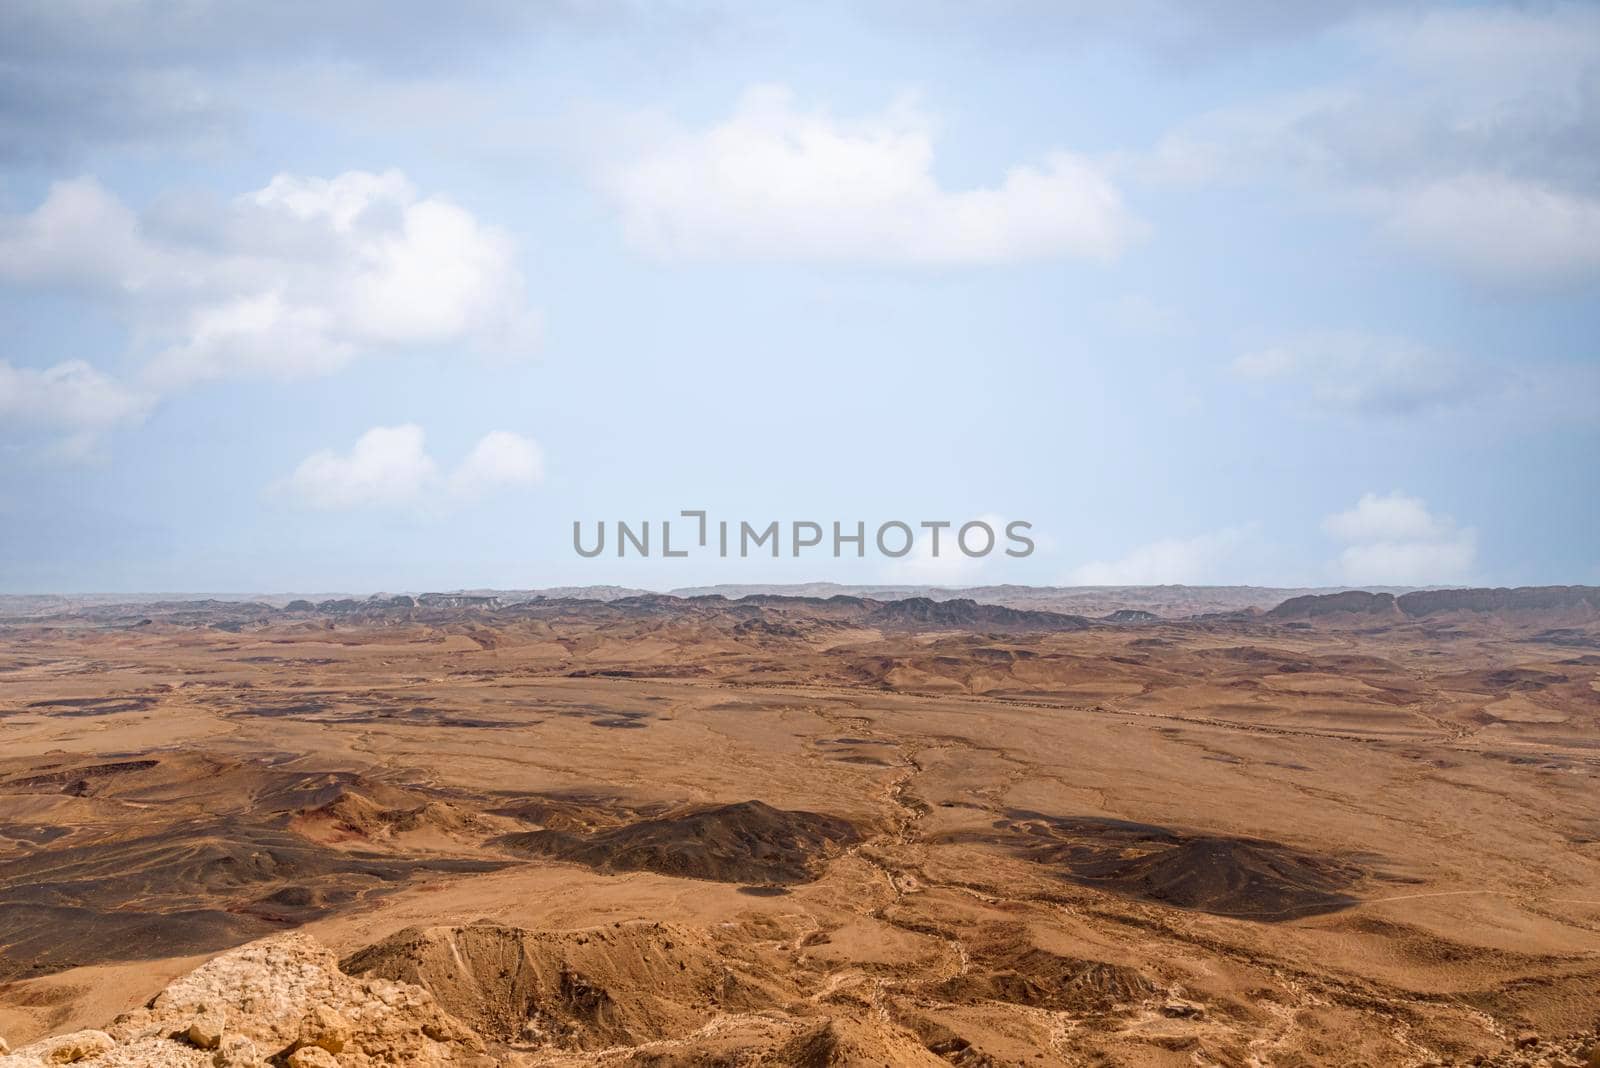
367	296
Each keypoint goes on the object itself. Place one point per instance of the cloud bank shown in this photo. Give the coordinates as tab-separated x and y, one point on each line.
1466	136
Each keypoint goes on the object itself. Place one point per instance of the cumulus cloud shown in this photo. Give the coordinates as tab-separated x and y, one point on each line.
71	401
389	467
1205	558
500	458
80	236
297	278
1394	540
1395	517
775	181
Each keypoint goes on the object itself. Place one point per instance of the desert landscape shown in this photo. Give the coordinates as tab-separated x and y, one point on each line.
1351	829
624	534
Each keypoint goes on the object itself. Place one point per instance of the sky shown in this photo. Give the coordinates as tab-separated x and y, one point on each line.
386	296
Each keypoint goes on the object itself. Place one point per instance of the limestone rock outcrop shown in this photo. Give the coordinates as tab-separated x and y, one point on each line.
282	1000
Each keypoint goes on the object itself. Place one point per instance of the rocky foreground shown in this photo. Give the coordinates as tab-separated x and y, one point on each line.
279	1001
283	1002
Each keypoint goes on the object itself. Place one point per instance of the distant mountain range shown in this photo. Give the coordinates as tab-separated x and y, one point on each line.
902	607
1165	602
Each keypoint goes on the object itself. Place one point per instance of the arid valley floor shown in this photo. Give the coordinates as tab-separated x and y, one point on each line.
1350	830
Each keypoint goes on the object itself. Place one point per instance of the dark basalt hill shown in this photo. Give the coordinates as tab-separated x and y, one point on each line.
747	842
38	939
1247	878
190	888
1350	602
1130	615
922	611
1581	601
1519	599
771	610
216	858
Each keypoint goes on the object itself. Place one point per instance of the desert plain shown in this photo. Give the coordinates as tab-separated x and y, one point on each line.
1355	829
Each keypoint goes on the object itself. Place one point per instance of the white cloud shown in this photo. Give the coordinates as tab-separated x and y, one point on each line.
71	394
340	201
261	334
776	182
1188	561
1362	373
500	458
1395	540
81	235
297	278
1499	228
1409	563
422	270
70	399
1395	517
389	467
